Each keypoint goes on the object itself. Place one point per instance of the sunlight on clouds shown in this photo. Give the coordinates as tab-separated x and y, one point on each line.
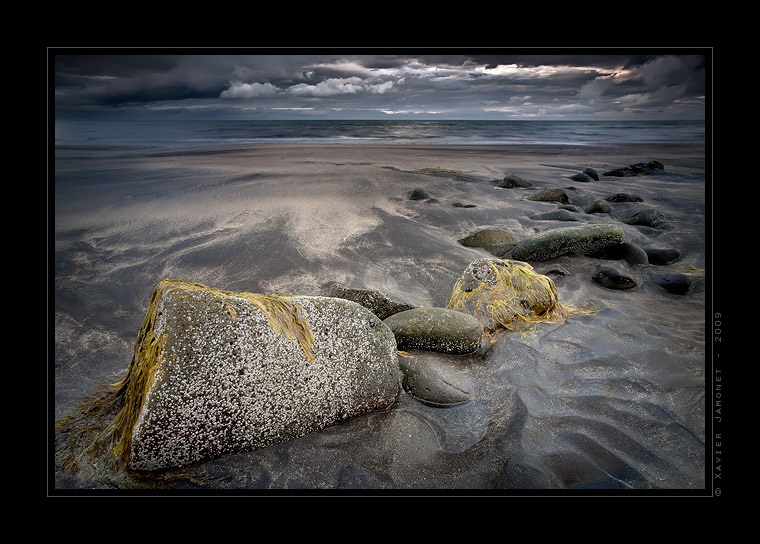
238	89
515	70
336	86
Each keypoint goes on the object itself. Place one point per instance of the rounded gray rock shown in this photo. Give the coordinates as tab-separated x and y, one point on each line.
592	173
497	241
510	182
678	284
583	239
436	329
662	256
556	215
376	302
645	216
436	378
612	278
552	195
581	176
598	206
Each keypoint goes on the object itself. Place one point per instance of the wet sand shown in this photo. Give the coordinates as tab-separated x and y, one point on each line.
611	400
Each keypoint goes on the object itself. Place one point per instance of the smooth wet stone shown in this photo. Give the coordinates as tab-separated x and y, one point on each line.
583	239
638	169
645	216
510	182
556	215
569	207
497	241
592	173
554	269
662	256
552	195
598	206
624	197
627	251
581	176
678	284
436	329
435	378
612	278
419	194
225	381
376	302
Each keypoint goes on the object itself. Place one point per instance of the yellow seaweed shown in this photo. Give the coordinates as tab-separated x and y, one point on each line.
510	295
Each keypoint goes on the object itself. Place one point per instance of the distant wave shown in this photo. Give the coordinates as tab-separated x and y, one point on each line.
175	133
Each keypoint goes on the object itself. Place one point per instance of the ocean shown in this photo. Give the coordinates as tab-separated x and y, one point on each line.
205	133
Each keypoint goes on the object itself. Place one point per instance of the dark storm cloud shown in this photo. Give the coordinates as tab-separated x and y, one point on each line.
488	86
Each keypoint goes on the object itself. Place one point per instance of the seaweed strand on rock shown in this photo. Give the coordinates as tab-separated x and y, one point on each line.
285	317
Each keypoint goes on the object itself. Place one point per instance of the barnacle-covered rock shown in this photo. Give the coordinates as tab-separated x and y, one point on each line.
506	294
216	372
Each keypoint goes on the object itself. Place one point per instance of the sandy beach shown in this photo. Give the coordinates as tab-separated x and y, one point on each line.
614	399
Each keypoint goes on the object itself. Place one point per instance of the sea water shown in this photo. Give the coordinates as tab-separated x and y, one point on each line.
195	133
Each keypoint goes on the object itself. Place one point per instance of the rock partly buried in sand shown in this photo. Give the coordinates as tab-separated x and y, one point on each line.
216	372
612	278
506	294
592	173
554	269
510	182
644	216
662	256
583	239
598	206
581	176
556	215
435	378
463	205
497	241
419	194
624	197
376	302
436	329
678	284
638	169
627	251
551	195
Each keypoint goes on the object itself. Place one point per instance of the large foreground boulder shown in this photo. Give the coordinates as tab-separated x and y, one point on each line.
584	240
507	294
216	372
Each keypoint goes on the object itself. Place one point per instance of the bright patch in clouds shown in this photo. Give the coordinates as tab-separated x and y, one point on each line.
238	89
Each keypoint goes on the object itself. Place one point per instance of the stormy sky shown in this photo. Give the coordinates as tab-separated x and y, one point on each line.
357	85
